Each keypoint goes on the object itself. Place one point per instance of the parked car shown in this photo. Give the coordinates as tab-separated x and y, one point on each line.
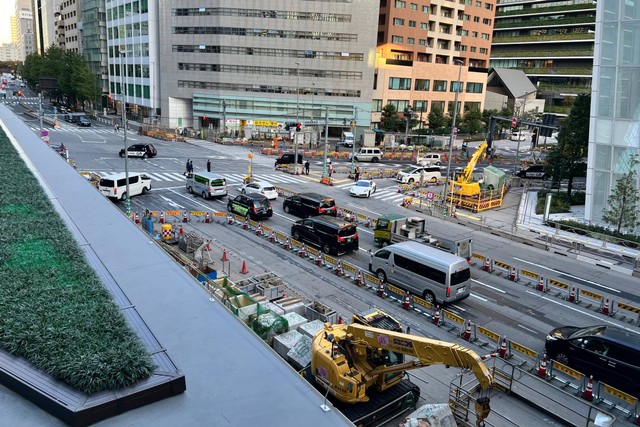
331	235
253	205
261	187
140	150
83	121
288	159
412	174
429	159
363	188
309	204
115	186
533	172
610	354
367	154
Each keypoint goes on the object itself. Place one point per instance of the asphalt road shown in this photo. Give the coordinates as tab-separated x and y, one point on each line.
518	312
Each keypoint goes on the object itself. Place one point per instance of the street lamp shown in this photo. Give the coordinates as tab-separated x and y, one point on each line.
453	130
524	103
123	91
295	139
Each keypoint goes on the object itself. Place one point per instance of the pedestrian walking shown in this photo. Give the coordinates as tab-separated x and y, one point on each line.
209	165
190	167
306	167
357	173
117	127
186	168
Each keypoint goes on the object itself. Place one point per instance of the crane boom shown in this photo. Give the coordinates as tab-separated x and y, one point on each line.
467	173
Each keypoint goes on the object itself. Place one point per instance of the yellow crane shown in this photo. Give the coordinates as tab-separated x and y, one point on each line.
463	184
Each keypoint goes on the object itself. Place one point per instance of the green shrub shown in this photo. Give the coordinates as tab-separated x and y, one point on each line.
560	202
54	311
597	232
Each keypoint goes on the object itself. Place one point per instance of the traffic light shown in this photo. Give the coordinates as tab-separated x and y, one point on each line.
298	127
514	122
287	127
534	137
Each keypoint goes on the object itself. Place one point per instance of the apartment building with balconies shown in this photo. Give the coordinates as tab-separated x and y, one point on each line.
422	48
551	41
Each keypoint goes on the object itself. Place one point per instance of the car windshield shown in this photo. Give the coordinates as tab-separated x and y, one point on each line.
408	169
263	203
268	189
362	184
347	231
327	203
591	331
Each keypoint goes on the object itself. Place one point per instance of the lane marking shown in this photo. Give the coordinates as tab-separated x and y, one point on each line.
582	312
570	275
528	329
479	297
488	286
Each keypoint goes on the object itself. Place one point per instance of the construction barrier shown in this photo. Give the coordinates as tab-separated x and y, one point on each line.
559	368
622	401
488	333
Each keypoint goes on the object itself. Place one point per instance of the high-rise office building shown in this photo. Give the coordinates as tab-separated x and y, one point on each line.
259	64
25	34
551	41
69	26
44	22
614	133
423	46
93	40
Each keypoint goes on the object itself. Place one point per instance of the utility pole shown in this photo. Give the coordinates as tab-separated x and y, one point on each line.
295	134
408	116
353	132
524	103
224	117
326	142
450	175
40	111
123	91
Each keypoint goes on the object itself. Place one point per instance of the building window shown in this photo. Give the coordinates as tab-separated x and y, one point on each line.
423	26
471	106
411	40
486	21
478	3
400	104
464	33
400	4
422	42
396	39
484	36
488	6
398	22
450	106
422	84
376	105
437	105
439	85
399	83
414	6
420	106
425	9
474	34
476	19
455	87
412	24
473	48
483	50
474	87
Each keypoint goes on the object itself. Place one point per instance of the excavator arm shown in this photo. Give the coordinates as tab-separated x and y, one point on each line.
467	173
425	350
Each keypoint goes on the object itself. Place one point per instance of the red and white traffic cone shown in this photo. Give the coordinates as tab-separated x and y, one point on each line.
224	256
587	394
259	230
339	213
230	219
380	290
184	217
273	238
319	259
303	251
512	273
542	369
340	322
338	270
502	351
436	316
540	285
367	223
358	279
137	218
207	218
406	301
286	245
605	307
161	220
487	264
245	224
244	268
572	295
466	335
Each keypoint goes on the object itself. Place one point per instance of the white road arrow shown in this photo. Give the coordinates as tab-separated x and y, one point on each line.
172	203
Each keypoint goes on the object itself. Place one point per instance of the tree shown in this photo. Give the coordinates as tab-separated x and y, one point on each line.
437	119
566	161
389	120
472	121
622	205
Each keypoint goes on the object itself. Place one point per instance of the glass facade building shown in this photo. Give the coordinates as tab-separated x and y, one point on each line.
614	136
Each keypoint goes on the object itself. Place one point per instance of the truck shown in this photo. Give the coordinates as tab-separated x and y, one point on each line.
347	139
363	369
395	228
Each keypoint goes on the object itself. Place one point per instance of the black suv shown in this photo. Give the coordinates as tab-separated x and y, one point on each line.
533	172
140	150
610	354
332	235
83	121
309	204
251	205
288	158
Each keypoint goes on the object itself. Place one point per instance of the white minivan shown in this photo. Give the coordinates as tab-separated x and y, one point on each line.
421	174
429	159
207	184
368	154
115	186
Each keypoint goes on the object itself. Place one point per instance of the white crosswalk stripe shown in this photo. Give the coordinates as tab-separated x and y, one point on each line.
232	179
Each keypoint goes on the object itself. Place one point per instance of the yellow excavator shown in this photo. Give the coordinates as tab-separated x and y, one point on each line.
357	364
463	183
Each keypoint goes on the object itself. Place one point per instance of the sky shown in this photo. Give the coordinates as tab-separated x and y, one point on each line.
8	9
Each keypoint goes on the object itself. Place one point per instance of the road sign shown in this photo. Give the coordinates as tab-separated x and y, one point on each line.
44	133
430	195
514	122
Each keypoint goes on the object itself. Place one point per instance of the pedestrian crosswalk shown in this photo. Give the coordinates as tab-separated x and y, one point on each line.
389	194
232	179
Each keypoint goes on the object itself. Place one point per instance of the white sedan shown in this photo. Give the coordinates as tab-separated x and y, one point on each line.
262	187
363	188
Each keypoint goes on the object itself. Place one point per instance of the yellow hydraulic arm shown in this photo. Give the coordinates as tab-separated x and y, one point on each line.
467	173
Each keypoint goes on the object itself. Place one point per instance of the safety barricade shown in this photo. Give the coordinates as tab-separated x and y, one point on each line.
197	215
422	305
561	288
220	216
520	354
597	298
173	216
631	311
477	258
448	317
349	270
622	401
530	276
502	268
566	376
492	336
394	292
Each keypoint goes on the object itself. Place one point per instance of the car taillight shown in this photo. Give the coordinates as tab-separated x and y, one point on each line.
341	239
355	236
255	210
448	292
321	210
115	190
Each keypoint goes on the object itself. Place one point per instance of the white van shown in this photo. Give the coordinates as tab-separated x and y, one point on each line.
429	159
115	186
207	184
347	139
422	174
432	274
368	154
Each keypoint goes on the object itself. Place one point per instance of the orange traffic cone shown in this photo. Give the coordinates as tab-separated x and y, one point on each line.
436	316
259	230
467	332
303	251
406	301
487	264
245	224
181	232
244	268
137	219
207	218
380	290
338	269
502	352
587	394
572	295
512	274
367	223
540	285
319	259
340	320
358	280
542	369
161	220
230	219
286	245
605	307
184	217
273	237
224	256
